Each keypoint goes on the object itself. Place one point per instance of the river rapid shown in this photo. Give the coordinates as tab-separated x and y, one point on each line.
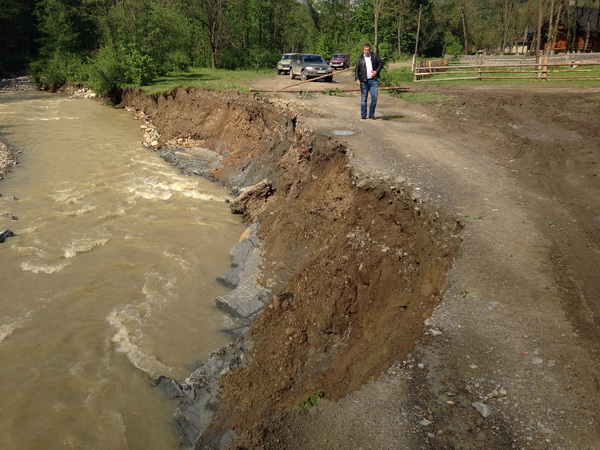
109	281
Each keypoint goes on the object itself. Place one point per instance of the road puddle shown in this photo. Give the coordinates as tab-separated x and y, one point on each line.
395	118
340	132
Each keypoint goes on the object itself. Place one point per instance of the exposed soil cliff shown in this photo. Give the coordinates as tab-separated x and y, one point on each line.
360	233
358	262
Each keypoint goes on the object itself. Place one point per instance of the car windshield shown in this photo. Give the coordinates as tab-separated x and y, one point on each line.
313	59
286	57
339	56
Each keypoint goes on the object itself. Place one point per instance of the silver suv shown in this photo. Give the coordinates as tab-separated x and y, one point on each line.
283	66
305	66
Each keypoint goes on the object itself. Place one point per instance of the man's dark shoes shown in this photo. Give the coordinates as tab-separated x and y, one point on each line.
363	117
373	117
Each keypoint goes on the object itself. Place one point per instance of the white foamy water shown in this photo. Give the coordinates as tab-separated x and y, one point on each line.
109	281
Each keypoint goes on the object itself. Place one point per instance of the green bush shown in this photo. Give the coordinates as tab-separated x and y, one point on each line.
59	68
177	60
105	74
139	68
396	77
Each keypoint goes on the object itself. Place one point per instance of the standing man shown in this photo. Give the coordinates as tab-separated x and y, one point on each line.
368	66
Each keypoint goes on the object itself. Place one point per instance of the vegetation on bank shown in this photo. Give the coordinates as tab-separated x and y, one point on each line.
109	44
206	78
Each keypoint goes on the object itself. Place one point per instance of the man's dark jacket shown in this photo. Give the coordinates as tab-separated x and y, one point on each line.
360	72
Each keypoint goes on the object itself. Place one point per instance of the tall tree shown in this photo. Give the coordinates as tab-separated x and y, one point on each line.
210	15
378	5
17	35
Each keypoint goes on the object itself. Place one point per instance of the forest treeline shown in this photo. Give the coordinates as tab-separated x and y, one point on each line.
111	43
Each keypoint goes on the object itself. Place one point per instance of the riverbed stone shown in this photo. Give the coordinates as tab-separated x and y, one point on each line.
231	278
198	393
248	297
5	234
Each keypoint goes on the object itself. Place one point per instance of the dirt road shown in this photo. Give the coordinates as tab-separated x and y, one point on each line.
510	358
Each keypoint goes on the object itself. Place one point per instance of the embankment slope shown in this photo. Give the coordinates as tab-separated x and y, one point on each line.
360	231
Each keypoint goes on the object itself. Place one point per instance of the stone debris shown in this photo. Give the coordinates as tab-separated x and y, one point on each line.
482	409
83	92
17	84
5	234
8	158
248	297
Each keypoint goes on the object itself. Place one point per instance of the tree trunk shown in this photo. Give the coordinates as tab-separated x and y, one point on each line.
588	26
464	27
377	5
399	32
538	41
414	61
213	46
550	39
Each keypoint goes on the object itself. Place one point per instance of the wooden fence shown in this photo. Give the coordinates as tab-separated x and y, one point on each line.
544	71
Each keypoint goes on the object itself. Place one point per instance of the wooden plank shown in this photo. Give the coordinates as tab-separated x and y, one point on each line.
296	91
318	78
418	69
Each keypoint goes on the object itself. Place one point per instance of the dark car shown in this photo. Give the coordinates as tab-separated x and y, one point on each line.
306	65
340	61
283	66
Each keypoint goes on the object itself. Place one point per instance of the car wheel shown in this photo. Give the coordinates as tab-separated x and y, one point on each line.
292	74
303	75
278	72
329	78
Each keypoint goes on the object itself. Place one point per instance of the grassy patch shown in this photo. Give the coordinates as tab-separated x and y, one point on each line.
427	98
311	401
403	76
396	77
204	78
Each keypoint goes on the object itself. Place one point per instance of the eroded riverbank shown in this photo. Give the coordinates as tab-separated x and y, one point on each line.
509	358
356	263
112	263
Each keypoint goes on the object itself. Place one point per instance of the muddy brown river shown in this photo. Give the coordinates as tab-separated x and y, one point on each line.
109	281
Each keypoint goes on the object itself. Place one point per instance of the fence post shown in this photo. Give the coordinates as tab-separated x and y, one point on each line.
479	73
545	69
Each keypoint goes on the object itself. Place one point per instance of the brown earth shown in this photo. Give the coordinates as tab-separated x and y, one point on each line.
362	236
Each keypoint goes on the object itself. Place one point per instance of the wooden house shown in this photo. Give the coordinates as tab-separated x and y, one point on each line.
582	36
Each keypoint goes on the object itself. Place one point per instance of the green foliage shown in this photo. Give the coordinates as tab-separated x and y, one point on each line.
138	67
134	41
177	60
259	57
312	400
105	72
385	51
17	32
65	26
452	46
396	77
325	45
467	294
333	92
57	69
